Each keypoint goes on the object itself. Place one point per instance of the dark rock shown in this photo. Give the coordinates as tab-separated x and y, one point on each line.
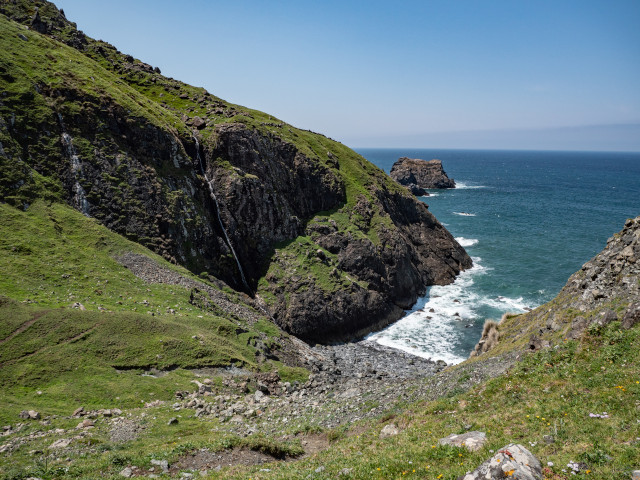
604	318
631	316
198	123
578	326
421	174
417	191
38	25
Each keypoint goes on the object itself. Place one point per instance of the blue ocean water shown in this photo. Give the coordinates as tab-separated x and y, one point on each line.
528	219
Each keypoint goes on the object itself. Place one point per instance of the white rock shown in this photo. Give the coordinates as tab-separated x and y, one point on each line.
472	441
389	430
513	461
162	464
126	472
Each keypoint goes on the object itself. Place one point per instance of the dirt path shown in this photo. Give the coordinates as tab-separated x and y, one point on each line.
24	326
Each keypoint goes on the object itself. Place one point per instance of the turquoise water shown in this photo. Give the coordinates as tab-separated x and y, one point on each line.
528	219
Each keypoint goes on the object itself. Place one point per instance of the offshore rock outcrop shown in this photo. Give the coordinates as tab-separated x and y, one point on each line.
418	175
326	239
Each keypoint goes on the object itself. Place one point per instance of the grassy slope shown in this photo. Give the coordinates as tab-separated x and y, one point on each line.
550	392
51	257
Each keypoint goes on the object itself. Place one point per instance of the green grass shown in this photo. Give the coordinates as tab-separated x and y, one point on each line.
52	257
550	392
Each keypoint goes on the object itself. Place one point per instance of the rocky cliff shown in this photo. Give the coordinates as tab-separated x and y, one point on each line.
419	175
322	236
606	289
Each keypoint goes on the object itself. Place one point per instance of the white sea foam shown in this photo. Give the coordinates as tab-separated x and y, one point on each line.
466	242
434	328
463	186
465	214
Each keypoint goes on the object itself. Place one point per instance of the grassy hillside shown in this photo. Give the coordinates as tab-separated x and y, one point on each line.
79	328
53	257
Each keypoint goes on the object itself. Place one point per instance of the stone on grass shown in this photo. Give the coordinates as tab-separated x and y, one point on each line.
389	430
126	472
29	414
164	464
86	423
631	316
635	475
472	441
172	421
61	443
513	462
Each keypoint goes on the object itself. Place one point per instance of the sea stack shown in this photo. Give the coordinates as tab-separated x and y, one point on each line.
418	175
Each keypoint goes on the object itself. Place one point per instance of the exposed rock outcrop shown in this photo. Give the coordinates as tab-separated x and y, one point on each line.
513	461
606	289
418	175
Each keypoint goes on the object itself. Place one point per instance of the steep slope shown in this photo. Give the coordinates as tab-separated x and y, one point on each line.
218	188
606	289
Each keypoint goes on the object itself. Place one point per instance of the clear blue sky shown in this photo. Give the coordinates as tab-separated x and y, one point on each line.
540	74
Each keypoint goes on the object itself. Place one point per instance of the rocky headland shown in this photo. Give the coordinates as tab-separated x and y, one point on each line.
331	245
418	175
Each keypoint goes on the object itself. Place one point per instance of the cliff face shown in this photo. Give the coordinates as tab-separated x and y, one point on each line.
610	280
325	238
420	174
606	289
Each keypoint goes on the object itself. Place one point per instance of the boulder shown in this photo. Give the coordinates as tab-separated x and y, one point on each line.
389	430
29	415
513	461
162	464
472	441
631	316
61	443
416	173
126	472
198	123
86	423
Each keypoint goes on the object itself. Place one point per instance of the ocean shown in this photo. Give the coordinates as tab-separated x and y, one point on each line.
528	219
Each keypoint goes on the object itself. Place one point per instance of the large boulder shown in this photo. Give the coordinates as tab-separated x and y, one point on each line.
513	462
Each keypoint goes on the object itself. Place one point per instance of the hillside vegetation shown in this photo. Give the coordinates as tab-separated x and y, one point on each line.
132	206
217	188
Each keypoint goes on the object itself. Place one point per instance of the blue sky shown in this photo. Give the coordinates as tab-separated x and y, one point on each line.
441	73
